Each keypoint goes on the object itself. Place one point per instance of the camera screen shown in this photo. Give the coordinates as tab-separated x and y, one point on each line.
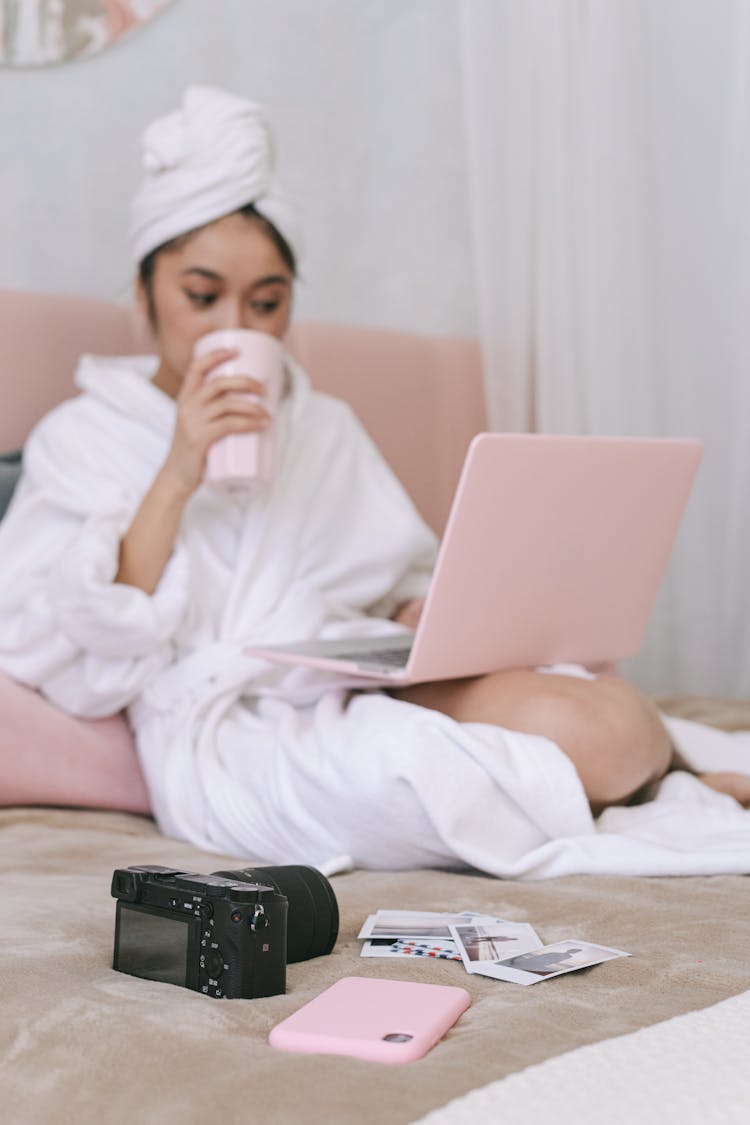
152	946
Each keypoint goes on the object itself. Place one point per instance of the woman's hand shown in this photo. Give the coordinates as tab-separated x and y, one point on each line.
409	613
209	409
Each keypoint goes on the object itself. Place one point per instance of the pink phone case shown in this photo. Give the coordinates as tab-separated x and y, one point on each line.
390	1021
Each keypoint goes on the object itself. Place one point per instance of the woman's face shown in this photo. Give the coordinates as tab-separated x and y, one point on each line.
228	274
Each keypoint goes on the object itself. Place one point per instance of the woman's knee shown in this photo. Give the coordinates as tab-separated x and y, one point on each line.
611	732
640	725
627	746
608	729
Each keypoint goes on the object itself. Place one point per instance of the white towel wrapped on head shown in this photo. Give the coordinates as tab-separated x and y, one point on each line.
207	159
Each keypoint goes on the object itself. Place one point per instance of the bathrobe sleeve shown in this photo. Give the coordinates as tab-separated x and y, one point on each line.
66	627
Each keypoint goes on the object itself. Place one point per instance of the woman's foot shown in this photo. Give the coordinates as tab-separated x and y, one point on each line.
735	785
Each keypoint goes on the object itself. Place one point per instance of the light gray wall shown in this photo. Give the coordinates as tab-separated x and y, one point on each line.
365	97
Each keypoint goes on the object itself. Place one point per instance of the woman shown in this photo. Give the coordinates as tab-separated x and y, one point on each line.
126	581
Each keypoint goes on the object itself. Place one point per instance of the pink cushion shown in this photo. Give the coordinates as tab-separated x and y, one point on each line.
50	758
420	398
41	337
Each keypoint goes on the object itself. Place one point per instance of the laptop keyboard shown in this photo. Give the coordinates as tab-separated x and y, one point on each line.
389	657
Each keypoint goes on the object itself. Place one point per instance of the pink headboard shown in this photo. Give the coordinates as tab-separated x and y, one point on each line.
420	397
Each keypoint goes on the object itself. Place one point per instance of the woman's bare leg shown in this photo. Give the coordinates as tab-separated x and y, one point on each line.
609	730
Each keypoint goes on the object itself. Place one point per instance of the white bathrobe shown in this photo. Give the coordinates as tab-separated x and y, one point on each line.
278	764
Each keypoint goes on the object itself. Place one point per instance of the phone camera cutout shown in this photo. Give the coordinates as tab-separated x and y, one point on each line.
397	1037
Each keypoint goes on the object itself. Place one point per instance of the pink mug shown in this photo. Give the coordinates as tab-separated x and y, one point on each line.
238	459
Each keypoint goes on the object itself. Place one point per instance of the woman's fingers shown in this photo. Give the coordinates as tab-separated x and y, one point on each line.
236	406
233	424
201	367
223	384
410	612
210	407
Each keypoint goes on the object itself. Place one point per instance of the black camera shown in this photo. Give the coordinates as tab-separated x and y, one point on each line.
229	934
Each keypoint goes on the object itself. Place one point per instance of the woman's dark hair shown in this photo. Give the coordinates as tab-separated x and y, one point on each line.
249	211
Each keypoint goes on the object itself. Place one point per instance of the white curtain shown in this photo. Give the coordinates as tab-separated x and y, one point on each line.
608	150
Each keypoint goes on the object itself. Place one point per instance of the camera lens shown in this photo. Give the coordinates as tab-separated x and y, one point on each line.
313	917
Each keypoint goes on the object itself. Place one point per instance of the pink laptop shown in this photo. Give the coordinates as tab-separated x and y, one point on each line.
554	551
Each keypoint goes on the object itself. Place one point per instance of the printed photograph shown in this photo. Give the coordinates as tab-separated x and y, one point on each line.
553	960
441	950
409	924
496	942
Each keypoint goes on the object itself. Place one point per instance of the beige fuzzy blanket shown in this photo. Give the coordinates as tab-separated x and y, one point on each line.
81	1043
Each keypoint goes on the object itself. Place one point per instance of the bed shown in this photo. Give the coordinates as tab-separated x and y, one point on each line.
82	1043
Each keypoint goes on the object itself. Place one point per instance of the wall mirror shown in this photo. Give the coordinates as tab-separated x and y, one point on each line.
47	32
